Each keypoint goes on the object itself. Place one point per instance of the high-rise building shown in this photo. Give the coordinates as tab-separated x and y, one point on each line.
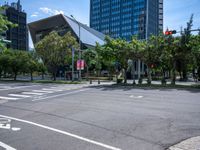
19	35
125	18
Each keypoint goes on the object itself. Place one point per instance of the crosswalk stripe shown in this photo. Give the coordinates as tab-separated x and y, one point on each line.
44	89
32	93
19	95
8	98
40	91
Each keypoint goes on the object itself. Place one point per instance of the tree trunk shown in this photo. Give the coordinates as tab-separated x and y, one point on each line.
117	77
42	76
31	76
133	71
149	79
87	73
0	74
163	82
173	82
184	74
54	76
15	76
98	75
125	76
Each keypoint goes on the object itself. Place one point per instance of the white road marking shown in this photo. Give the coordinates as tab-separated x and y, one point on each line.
64	133
132	96
56	90
59	95
19	87
7	147
40	91
32	93
19	95
8	98
5	123
15	129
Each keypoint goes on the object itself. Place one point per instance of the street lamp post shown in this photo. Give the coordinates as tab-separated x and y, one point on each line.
79	51
73	64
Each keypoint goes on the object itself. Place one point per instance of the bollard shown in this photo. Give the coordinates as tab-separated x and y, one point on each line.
98	81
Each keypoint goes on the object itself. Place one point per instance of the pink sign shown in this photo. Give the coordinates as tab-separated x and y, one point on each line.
80	64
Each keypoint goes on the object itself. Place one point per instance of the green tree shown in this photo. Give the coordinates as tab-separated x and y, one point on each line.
89	56
109	56
18	61
4	62
184	52
42	69
32	63
195	44
136	53
54	49
151	55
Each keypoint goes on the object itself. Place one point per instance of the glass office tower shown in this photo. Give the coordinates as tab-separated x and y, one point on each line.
125	18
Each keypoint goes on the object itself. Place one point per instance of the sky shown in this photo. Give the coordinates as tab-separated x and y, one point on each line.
176	12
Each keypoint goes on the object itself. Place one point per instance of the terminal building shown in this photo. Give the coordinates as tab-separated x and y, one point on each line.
63	24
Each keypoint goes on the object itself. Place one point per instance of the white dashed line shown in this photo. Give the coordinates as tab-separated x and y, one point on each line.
64	133
8	98
19	95
132	96
19	87
40	91
57	90
32	93
7	147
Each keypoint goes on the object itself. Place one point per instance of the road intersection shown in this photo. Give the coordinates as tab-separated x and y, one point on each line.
51	116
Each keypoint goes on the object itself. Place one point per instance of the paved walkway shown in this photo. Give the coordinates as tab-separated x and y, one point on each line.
189	144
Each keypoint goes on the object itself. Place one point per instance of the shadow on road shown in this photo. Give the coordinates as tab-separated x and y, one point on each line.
128	87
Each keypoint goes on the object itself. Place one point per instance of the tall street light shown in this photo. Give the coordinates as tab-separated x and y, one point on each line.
79	51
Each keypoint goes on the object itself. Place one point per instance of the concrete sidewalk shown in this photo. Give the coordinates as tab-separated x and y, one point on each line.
189	144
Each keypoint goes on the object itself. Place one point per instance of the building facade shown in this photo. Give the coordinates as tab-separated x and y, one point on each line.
63	24
19	35
125	18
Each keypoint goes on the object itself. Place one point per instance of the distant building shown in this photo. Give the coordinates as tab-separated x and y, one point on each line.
125	18
19	35
62	24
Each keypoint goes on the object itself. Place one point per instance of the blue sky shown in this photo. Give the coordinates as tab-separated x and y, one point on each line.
176	12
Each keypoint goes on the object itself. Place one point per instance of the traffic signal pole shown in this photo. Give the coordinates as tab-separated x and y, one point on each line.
170	32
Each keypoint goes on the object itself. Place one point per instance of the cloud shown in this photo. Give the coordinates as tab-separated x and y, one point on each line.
49	11
35	14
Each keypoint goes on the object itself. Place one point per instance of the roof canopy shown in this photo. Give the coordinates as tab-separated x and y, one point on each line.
88	36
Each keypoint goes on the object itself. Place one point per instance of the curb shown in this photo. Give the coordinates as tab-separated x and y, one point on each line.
189	144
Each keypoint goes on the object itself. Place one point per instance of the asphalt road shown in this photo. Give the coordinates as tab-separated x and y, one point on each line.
73	117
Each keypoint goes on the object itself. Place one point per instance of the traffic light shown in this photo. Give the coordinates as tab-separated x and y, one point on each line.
170	32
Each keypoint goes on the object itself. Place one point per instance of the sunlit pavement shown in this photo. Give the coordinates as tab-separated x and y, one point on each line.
74	117
189	144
